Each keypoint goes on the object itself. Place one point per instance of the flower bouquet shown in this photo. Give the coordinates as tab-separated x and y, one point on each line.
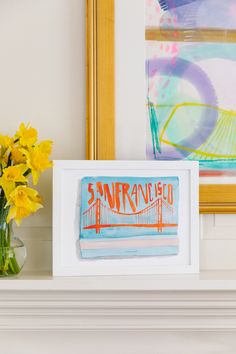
21	156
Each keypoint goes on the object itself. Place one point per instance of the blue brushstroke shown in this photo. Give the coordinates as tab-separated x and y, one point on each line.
133	238
170	4
197	14
131	252
187	70
154	125
229	164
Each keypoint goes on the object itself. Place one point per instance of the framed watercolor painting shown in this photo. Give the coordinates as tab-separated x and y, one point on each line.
160	86
125	217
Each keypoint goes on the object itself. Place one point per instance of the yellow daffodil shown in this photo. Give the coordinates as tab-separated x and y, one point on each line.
27	135
12	175
23	201
38	158
6	143
46	146
17	156
21	156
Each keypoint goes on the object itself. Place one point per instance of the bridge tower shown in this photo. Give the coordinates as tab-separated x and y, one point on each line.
98	215
159	216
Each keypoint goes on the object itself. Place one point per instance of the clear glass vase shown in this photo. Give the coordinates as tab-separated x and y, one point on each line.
12	249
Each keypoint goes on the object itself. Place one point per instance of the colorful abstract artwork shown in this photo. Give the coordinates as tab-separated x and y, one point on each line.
129	217
191	75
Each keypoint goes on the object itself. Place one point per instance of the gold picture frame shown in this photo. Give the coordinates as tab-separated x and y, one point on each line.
100	116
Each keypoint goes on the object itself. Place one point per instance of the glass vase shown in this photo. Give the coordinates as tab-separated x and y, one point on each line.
12	249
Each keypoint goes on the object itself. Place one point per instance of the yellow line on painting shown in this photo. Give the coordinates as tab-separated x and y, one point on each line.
188	104
198	151
197	104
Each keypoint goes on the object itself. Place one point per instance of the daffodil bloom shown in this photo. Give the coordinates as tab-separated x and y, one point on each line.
17	156
46	146
20	157
6	143
23	201
12	175
27	135
38	158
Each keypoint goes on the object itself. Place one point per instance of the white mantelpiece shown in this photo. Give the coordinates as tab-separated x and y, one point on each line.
177	303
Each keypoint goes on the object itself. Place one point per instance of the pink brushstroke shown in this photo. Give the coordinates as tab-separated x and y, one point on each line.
129	243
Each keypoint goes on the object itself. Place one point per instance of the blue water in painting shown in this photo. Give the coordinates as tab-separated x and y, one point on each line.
221	165
129	252
115	233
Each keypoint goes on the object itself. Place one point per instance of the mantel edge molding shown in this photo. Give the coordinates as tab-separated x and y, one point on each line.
68	310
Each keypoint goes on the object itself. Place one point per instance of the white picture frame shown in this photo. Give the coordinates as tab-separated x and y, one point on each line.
67	176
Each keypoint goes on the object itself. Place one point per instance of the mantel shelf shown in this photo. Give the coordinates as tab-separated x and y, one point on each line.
206	301
208	281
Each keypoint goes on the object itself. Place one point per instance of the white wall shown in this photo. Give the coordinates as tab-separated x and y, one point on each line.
42	81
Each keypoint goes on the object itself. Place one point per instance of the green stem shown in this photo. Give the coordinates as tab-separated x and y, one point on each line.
14	265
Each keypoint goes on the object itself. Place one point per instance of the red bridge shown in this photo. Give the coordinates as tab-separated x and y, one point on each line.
157	215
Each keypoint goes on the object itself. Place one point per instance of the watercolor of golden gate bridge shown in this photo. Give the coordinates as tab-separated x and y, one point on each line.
129	217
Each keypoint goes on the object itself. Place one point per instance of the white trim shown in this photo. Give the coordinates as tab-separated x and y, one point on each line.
159	303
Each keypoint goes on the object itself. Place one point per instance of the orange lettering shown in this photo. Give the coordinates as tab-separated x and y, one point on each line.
170	194
164	191
145	197
99	188
125	189
150	191
108	196
91	191
117	189
135	193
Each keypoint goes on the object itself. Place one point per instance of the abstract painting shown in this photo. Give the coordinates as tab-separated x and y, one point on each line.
129	217
191	75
